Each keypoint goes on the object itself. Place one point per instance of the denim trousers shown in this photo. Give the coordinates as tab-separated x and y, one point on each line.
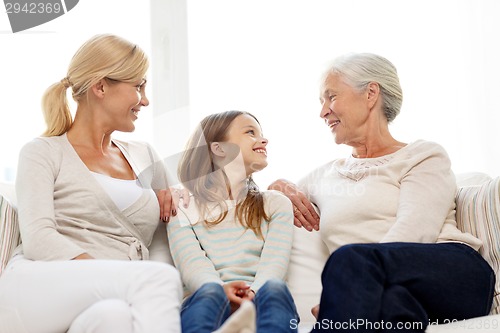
208	308
402	287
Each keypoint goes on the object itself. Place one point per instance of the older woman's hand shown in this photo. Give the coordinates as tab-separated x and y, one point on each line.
169	201
303	210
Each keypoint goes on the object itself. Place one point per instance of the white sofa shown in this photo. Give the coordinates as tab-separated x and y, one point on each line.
478	211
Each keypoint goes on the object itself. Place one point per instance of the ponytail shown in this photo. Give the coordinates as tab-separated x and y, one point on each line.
56	109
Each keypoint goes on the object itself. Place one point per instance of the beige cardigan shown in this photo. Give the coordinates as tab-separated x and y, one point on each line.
64	212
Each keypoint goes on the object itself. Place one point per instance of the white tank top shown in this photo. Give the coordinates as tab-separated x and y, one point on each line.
123	192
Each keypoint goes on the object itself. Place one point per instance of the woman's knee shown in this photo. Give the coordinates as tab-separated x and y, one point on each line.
109	315
159	279
351	257
163	272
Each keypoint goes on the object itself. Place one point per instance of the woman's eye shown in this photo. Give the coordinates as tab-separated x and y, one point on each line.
251	132
140	86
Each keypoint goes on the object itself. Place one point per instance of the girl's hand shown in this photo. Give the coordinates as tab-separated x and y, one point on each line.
304	213
236	292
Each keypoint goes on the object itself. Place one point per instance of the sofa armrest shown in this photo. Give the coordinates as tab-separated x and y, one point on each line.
8	191
10	236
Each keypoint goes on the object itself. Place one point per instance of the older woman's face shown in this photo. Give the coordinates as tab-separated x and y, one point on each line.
344	109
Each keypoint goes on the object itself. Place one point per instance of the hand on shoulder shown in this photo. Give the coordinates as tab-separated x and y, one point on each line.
304	213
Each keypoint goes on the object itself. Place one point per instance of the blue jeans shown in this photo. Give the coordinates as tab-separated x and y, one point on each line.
208	308
402	287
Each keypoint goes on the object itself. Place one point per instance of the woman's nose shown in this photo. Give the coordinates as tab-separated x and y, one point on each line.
144	100
325	110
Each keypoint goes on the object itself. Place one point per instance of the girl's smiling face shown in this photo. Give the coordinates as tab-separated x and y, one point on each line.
246	133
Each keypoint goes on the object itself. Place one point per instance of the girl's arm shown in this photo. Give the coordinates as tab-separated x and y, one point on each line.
277	241
189	258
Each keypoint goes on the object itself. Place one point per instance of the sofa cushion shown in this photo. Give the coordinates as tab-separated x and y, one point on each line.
478	212
307	259
9	231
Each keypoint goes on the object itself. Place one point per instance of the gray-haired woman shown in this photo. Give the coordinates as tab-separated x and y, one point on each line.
398	260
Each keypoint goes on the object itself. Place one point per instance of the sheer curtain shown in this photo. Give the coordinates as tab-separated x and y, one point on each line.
32	60
266	57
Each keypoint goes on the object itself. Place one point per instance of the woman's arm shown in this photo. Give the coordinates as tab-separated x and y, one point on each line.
167	191
427	196
304	213
37	171
275	254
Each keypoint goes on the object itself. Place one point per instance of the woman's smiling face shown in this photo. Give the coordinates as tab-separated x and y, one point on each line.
344	109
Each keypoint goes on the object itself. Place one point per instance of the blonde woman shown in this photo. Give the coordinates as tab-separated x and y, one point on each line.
87	211
232	245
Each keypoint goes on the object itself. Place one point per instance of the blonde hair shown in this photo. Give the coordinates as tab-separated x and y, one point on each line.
359	69
201	176
102	56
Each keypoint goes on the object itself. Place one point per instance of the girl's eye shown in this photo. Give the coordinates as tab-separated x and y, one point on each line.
251	132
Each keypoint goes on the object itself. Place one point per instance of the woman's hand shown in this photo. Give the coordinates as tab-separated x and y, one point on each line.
169	201
303	211
237	292
83	256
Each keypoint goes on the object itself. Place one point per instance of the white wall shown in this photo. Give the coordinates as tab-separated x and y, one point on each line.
265	56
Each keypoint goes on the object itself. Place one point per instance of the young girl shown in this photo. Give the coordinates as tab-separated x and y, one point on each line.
233	243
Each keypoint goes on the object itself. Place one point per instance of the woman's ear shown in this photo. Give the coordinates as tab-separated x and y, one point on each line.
98	88
217	149
373	92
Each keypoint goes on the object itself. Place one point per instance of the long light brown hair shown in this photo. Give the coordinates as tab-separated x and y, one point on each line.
201	176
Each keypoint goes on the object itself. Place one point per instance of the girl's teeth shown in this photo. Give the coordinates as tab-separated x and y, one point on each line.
261	151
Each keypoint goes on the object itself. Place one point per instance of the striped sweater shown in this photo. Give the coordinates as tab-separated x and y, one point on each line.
227	251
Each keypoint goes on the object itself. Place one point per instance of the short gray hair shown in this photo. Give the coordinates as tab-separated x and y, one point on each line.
359	69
